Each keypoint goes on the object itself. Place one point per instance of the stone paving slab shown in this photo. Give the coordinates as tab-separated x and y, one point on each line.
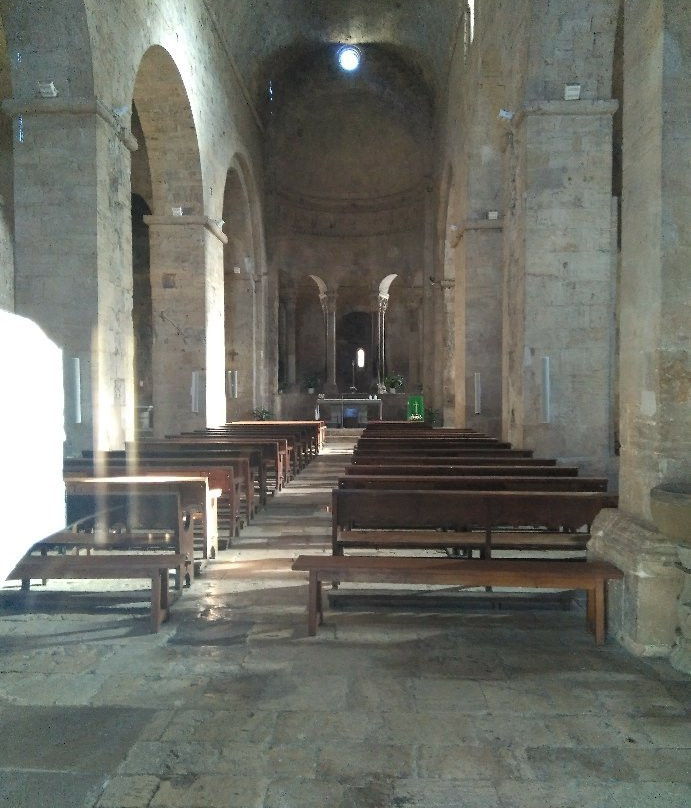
233	705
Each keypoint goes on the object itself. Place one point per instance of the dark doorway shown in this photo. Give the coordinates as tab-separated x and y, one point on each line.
354	332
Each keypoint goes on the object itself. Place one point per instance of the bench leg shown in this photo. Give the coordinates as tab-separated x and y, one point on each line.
320	603
595	612
313	604
160	600
599	616
156	593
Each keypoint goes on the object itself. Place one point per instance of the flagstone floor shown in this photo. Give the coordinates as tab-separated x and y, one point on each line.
231	705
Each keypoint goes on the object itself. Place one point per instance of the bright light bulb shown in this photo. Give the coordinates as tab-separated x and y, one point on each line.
349	58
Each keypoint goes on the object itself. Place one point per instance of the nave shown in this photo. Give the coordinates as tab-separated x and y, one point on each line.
232	704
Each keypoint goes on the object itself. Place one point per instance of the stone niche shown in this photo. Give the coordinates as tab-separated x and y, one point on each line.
643	608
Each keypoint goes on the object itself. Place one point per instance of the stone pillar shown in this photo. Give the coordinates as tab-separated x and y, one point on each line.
413	304
187	305
259	301
654	365
73	255
331	299
558	285
480	349
448	370
289	300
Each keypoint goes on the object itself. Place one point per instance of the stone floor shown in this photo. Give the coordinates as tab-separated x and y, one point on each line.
231	705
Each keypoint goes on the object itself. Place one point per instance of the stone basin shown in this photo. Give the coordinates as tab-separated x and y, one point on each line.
670	505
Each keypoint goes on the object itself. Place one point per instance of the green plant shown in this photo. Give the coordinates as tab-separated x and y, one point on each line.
393	380
261	414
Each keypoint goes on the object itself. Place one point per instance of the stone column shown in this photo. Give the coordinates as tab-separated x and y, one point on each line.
448	370
413	304
289	299
478	326
187	305
331	300
73	255
558	284
654	370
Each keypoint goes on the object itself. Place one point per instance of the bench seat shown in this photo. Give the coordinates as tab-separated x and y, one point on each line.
111	566
590	576
465	540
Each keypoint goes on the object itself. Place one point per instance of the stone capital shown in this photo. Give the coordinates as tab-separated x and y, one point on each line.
188	221
16	107
582	107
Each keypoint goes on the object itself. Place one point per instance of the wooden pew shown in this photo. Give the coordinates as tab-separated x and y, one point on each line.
441	451
297	443
137	514
117	464
456	470
590	576
472	482
106	566
464	520
316	429
179	451
275	453
309	434
393	444
469	459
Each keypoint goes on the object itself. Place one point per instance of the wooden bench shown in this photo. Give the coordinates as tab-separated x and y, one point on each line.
464	520
498	459
315	430
111	566
261	454
590	576
221	478
441	452
472	482
457	470
246	463
386	443
133	514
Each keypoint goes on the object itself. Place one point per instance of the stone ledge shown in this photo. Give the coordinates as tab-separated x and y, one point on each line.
187	220
71	106
584	107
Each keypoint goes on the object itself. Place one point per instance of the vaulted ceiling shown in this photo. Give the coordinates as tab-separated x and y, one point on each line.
268	37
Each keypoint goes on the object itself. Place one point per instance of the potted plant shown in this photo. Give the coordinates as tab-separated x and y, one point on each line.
261	414
393	381
311	382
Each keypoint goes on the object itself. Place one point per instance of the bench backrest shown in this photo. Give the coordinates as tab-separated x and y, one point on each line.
514	470
468	482
452	460
460	509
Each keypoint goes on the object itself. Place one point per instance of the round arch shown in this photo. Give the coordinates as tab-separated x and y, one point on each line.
167	122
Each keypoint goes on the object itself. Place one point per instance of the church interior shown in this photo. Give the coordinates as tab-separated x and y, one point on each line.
234	211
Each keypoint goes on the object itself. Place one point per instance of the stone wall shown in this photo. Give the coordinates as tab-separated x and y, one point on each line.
74	255
656	254
553	297
6	187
